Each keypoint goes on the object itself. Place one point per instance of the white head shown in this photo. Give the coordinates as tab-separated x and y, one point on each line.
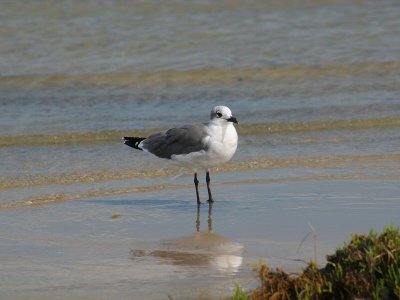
222	113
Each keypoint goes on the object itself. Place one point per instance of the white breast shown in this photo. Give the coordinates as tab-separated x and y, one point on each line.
223	143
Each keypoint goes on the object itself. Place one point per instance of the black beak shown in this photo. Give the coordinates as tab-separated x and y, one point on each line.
232	119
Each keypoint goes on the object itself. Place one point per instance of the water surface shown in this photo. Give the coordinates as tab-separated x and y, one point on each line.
315	87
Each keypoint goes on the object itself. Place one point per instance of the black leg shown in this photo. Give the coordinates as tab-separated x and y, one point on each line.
196	184
210	198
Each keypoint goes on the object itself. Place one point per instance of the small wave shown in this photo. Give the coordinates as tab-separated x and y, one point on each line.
296	73
324	162
72	138
81	178
264	128
63	197
245	129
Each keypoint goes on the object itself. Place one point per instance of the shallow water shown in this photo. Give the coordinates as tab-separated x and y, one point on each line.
314	86
146	245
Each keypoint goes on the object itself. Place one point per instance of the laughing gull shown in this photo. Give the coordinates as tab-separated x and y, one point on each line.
195	146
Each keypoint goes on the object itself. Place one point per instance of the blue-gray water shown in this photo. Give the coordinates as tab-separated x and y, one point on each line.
314	84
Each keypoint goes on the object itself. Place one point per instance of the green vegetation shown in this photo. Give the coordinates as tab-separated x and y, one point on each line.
366	268
240	293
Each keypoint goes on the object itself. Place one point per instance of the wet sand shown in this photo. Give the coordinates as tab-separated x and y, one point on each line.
155	243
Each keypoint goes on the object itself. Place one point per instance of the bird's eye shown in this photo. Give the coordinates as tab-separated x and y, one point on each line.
219	115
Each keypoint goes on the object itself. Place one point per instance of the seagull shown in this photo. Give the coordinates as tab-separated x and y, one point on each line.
195	147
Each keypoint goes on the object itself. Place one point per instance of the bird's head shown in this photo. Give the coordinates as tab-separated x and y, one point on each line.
222	113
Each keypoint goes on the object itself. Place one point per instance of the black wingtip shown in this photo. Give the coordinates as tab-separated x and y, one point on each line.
133	142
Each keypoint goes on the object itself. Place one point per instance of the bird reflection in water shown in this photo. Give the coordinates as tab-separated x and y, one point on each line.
209	220
203	248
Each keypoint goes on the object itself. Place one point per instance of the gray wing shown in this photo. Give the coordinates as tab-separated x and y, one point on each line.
182	140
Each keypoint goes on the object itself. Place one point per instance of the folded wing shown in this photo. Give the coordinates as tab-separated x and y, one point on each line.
175	141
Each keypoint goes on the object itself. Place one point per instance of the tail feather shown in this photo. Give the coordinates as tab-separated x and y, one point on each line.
133	142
